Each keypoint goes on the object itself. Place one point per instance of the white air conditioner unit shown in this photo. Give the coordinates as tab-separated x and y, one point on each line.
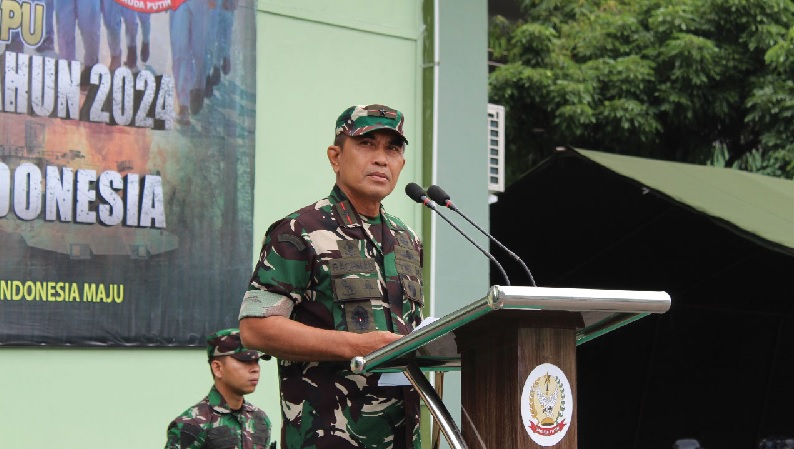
496	148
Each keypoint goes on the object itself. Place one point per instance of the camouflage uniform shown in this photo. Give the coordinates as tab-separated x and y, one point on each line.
212	424
328	267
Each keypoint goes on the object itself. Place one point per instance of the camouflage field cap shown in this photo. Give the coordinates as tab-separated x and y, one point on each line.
361	119
227	342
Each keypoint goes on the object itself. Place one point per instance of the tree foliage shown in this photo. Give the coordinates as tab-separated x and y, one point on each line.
699	81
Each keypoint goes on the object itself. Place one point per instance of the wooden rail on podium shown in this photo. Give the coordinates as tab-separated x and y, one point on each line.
516	350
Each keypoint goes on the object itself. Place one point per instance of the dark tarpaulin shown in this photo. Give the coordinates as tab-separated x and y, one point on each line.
718	365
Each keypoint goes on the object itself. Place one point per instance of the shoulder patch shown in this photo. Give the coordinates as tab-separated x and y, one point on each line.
297	242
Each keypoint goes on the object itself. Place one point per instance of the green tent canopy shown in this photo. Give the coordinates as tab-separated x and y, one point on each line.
757	206
718	365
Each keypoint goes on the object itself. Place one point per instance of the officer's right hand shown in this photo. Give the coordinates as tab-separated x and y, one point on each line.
375	340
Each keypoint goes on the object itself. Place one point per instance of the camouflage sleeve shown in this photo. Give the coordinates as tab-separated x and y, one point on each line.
261	303
282	273
184	435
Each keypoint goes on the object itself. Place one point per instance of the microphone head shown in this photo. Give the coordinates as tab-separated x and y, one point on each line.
437	194
415	192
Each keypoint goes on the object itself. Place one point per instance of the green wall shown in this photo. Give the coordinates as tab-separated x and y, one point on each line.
315	60
100	398
459	272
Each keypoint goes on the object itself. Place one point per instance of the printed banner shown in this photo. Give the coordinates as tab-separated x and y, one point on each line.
126	169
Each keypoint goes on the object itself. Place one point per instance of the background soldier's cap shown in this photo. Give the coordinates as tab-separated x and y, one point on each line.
361	119
227	342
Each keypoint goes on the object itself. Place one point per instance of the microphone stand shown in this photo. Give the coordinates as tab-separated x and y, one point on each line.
432	205
416	193
498	243
440	196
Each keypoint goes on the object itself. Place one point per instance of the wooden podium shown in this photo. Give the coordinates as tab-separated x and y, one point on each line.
516	350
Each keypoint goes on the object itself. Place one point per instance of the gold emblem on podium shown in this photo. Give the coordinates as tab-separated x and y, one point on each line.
546	404
547	400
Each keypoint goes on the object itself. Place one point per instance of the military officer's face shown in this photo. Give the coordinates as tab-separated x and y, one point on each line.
240	377
368	166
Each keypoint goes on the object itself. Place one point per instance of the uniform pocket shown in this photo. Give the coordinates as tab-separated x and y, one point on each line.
412	290
261	435
221	438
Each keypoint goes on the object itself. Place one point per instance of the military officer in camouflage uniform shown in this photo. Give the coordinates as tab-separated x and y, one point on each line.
337	279
223	419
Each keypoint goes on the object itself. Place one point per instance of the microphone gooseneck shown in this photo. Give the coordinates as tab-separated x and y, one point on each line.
416	193
438	195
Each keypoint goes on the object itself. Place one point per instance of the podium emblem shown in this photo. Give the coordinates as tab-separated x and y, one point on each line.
546	404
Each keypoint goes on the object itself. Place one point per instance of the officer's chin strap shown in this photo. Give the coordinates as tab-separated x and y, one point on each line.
439	381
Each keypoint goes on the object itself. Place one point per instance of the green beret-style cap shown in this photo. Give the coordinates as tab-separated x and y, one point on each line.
227	342
361	119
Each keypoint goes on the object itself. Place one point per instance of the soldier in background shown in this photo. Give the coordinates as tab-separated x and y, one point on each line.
188	31
114	15
145	21
224	419
221	21
337	279
48	43
111	17
69	16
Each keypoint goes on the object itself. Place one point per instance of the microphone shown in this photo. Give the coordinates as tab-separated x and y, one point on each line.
438	195
417	194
